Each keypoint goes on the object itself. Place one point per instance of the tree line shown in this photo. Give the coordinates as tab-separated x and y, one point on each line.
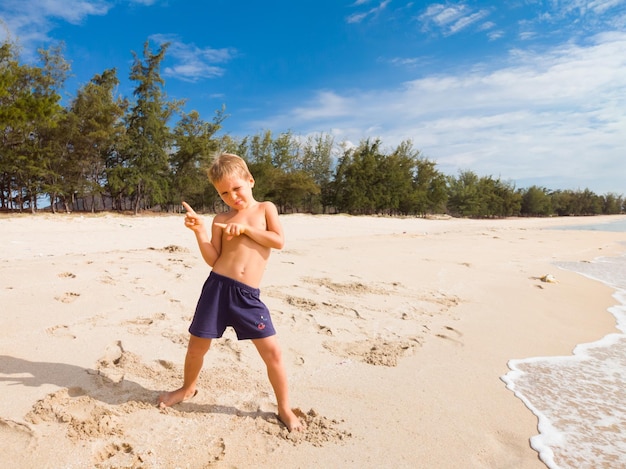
103	151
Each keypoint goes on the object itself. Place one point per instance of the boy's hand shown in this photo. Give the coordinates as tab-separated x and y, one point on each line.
232	229
193	221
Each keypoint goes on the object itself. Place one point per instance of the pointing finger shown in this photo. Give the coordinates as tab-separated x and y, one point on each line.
220	225
188	208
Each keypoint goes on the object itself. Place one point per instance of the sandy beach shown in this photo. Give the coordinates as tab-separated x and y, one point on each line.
395	333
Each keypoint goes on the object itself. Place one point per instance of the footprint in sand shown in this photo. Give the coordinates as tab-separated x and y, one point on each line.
117	364
84	417
67	275
107	279
67	297
60	331
301	303
108	364
112	354
348	288
325	330
16	437
379	352
229	347
142	323
449	332
176	337
172	248
116	455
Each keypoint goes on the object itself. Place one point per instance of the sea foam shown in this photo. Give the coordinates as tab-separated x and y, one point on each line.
580	400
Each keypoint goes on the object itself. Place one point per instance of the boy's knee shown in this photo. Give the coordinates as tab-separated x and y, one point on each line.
198	349
276	354
272	354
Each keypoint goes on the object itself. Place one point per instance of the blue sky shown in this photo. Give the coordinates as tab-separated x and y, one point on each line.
529	91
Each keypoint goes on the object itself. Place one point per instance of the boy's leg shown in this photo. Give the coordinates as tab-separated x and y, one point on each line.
272	357
196	349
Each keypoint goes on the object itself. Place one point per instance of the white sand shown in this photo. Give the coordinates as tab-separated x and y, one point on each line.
395	332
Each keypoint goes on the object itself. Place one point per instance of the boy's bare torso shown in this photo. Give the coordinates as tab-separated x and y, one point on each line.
241	258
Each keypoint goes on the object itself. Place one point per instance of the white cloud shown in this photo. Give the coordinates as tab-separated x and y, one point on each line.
443	15
72	11
192	63
31	21
359	17
452	18
356	17
575	17
466	21
327	104
26	16
584	7
405	61
144	2
539	117
495	35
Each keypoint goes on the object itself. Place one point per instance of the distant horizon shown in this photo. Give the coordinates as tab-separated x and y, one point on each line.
528	93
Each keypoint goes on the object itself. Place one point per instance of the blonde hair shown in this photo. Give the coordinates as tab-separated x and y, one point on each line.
228	164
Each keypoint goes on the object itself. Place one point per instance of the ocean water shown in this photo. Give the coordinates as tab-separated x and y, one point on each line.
580	400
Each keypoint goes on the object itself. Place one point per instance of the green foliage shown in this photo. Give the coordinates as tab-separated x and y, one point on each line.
536	201
150	138
430	188
585	202
88	134
194	146
463	195
316	160
103	151
292	189
500	198
479	197
286	170
368	181
29	111
613	204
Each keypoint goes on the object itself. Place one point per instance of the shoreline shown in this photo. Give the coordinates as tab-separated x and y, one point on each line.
394	331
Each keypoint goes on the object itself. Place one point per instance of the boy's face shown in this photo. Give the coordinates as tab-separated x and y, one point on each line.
235	191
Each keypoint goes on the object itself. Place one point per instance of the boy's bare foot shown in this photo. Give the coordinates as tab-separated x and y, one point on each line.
291	420
168	399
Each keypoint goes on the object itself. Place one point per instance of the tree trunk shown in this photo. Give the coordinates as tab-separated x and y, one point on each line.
53	198
138	199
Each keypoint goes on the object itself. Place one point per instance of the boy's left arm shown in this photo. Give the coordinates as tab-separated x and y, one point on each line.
273	236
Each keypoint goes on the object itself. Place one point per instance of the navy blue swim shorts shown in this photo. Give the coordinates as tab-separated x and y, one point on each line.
226	302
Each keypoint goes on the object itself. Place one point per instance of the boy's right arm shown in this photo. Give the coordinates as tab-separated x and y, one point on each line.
210	248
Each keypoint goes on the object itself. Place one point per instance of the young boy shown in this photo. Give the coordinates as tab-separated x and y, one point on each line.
238	250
